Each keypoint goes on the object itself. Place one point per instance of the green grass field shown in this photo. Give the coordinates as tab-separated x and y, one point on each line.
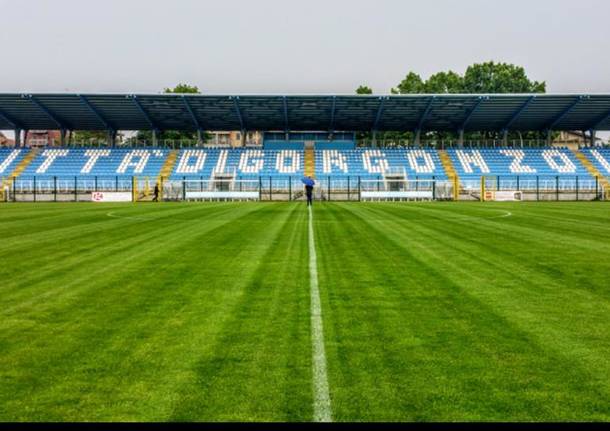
201	312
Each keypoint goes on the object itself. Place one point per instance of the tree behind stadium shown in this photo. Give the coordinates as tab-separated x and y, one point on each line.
489	77
187	138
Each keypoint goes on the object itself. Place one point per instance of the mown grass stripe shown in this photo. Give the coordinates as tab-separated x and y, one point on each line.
322	407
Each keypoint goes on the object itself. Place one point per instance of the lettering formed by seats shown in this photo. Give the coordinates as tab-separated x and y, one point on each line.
191	162
602	161
517	166
416	156
141	159
374	161
359	162
559	161
333	158
49	157
93	156
470	159
294	161
9	159
251	161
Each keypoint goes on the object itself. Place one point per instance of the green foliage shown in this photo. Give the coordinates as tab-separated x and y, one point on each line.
412	84
88	136
363	89
489	77
499	78
187	138
444	83
183	89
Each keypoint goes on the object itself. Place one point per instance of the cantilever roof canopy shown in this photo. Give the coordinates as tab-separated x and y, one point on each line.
493	112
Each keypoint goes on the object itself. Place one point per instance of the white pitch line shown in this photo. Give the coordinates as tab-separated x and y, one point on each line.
113	215
321	397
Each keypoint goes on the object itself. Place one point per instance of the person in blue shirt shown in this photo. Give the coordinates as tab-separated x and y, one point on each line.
309	185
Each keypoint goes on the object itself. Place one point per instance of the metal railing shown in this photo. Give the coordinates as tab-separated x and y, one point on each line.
288	188
384	143
481	143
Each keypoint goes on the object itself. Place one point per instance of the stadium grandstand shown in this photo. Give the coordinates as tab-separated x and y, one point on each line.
306	136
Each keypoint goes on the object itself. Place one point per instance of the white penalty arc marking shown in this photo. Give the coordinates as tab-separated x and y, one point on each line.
321	396
506	214
113	215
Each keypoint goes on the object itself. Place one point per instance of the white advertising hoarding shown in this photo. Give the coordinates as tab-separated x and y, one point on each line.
221	195
506	196
397	195
111	197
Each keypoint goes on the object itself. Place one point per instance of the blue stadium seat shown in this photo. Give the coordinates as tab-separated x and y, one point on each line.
532	166
9	159
600	158
300	145
283	145
241	163
90	167
371	163
97	162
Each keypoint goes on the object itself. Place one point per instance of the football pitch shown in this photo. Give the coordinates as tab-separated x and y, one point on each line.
229	311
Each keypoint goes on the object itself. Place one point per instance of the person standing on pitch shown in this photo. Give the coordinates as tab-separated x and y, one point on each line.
156	193
309	185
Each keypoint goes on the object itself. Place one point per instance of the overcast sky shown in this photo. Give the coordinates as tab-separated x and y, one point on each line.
285	46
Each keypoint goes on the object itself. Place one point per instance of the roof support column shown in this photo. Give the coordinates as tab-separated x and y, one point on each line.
154	138
62	137
286	125
199	136
243	138
17	137
331	126
549	137
111	138
416	141
461	138
593	132
514	118
378	119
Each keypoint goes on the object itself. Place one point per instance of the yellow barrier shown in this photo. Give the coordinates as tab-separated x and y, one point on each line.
134	189
594	172
3	184
146	188
451	173
160	184
8	182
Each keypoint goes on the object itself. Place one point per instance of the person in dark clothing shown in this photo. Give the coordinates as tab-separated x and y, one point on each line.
156	193
309	185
